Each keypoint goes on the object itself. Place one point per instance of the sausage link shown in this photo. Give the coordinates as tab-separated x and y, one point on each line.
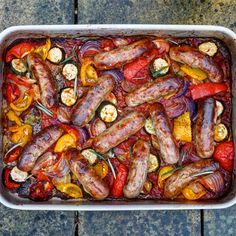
196	59
44	77
181	178
138	169
87	176
122	55
166	141
86	108
151	92
118	132
204	128
39	145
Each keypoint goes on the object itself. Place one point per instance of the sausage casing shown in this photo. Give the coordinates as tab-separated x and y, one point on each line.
166	141
120	56
118	132
151	92
44	77
194	58
39	145
138	169
86	108
87	176
204	128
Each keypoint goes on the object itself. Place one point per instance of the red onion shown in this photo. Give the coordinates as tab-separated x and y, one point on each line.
183	89
84	135
117	74
89	48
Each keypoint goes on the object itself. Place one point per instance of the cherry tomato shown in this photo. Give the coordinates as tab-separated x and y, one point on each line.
224	154
107	44
126	145
8	182
12	92
13	155
142	134
41	191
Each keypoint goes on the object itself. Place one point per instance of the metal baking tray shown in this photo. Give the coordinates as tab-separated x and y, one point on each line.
42	31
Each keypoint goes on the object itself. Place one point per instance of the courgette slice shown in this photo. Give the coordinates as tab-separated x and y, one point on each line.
70	70
18	66
149	126
107	112
56	55
153	163
89	155
67	96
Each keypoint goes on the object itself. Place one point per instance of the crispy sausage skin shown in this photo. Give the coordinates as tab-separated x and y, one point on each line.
151	92
181	178
39	145
166	141
44	77
204	128
86	108
118	132
194	58
120	56
91	182
138	169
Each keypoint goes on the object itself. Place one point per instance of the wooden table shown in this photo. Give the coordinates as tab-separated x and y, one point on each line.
210	222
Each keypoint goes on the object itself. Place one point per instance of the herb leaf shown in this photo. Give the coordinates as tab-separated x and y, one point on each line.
203	173
68	58
173	170
158	73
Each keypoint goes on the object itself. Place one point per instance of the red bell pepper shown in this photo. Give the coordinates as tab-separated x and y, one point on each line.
12	92
13	155
107	44
224	154
18	80
8	182
207	90
137	71
19	51
119	183
125	146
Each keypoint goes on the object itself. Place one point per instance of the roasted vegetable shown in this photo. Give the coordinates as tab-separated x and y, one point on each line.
67	96
44	49
89	155
195	73
107	112
208	48
21	134
160	65
70	70
18	175
220	132
101	168
70	189
22	103
164	173
18	66
64	143
88	73
56	55
153	163
194	191
149	126
12	92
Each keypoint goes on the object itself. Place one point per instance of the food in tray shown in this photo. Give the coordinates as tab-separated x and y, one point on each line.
117	117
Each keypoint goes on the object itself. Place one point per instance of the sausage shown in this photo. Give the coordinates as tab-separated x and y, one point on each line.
87	176
138	169
196	59
44	77
151	92
181	178
165	139
39	145
122	55
204	128
118	132
86	108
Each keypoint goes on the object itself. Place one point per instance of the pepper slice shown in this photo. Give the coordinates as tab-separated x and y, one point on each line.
193	191
8	182
164	173
70	189
13	155
19	50
12	92
22	103
88	74
207	90
101	169
44	49
195	73
11	115
72	131
19	80
64	143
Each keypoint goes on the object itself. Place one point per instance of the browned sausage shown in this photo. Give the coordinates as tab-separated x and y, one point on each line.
204	128
181	178
86	108
118	132
86	175
166	141
44	77
39	145
138	169
151	92
196	59
122	55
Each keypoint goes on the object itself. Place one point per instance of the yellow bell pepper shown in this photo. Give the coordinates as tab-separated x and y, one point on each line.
43	50
70	189
22	103
64	143
162	176
88	74
11	115
21	134
193	191
182	128
195	73
101	169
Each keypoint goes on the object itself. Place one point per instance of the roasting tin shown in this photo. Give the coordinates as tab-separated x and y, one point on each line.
42	31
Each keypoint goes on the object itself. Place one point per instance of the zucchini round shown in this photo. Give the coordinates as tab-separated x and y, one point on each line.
18	66
89	155
220	132
153	163
70	70
107	112
56	55
149	126
67	96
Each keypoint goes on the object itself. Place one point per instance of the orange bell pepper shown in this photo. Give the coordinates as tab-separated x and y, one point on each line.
193	191
21	134
64	143
88	74
164	174
70	189
22	103
44	49
11	115
195	73
101	169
